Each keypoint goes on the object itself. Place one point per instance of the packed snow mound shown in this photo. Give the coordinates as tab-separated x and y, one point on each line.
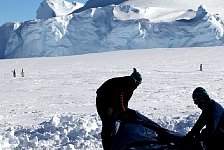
72	132
54	8
111	28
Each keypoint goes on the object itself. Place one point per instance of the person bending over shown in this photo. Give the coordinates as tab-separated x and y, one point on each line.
112	103
209	128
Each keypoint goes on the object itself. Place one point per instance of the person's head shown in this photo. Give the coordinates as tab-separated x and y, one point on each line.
136	77
200	97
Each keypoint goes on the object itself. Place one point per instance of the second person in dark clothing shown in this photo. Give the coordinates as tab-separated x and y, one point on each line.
112	103
212	118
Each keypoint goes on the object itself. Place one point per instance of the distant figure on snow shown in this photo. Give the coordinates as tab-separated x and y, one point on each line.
14	73
212	118
112	103
22	73
200	67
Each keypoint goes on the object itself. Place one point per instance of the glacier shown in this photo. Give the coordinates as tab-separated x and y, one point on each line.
63	28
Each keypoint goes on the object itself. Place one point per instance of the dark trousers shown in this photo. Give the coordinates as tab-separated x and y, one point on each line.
107	135
108	124
108	130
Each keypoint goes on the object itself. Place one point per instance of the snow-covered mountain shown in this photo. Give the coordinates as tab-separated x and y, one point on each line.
65	28
54	8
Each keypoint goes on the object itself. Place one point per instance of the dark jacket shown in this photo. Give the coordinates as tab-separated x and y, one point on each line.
212	117
115	93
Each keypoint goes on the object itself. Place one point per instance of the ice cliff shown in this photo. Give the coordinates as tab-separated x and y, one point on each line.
63	28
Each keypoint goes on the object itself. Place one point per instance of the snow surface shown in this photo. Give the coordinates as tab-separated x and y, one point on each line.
53	106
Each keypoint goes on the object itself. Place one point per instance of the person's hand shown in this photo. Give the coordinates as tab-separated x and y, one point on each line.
110	111
124	117
190	134
189	137
205	135
128	116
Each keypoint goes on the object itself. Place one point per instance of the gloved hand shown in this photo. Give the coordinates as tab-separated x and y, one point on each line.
190	134
128	116
205	136
189	137
192	141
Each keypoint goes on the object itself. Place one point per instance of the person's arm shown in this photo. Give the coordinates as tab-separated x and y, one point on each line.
127	98
122	103
200	123
214	118
119	101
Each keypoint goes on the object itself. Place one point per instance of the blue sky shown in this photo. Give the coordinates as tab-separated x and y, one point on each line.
20	10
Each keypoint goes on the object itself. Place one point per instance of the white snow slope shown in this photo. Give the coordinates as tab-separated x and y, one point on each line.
54	8
53	106
128	25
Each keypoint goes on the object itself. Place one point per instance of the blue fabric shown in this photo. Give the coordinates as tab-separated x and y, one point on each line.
130	133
